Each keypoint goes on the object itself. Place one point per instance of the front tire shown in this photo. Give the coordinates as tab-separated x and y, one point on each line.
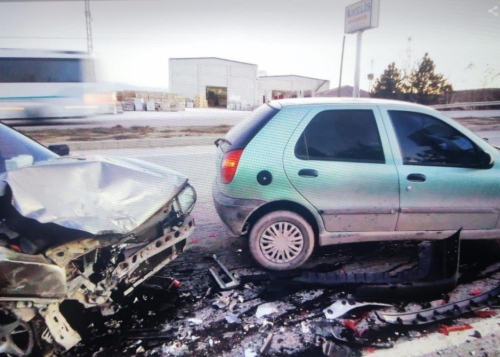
281	240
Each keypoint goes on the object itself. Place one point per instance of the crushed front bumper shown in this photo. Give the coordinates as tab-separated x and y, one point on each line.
233	212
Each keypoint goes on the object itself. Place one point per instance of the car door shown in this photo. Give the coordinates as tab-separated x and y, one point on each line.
340	160
441	185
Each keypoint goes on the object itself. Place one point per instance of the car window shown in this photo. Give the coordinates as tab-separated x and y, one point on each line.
17	150
341	135
240	135
426	140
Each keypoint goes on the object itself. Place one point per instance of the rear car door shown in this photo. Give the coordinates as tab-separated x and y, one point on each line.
340	160
441	185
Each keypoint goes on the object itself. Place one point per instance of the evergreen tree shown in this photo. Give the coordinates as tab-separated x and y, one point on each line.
425	85
390	84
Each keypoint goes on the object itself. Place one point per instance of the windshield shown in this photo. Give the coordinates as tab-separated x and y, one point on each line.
17	150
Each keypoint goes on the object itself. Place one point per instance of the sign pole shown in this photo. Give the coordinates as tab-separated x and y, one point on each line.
357	70
341	66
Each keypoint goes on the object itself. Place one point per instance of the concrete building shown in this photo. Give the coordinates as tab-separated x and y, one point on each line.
289	86
223	83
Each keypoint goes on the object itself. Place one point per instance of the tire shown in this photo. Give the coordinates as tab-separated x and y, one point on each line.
271	248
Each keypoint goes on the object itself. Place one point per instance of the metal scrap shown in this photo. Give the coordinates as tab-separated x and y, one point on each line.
332	350
234	280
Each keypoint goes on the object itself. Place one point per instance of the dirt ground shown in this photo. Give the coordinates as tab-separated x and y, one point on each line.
50	136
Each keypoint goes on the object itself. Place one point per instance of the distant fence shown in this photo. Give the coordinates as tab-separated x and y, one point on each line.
466	105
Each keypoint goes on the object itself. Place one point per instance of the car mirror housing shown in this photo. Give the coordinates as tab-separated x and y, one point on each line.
485	160
61	150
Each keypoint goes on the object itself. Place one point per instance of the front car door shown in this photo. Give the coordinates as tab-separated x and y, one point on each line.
340	160
441	185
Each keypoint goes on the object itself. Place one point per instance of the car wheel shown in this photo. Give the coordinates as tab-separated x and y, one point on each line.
281	240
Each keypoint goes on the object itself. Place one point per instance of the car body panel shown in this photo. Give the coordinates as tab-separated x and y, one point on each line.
451	197
350	196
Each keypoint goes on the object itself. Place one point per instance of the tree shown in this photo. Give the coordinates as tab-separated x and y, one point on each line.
390	84
424	84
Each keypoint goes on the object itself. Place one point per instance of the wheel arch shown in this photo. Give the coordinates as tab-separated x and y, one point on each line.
284	205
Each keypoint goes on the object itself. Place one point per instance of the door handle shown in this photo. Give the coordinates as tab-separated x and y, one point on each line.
416	178
308	173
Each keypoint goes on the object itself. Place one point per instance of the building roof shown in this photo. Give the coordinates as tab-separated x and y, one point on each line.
327	100
294	75
209	58
345	91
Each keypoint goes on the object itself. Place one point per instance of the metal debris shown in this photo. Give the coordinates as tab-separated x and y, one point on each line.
341	307
266	345
234	280
332	350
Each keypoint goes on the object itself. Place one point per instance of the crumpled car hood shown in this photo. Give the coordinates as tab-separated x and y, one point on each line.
94	194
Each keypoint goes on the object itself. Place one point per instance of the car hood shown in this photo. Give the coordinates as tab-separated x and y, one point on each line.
94	194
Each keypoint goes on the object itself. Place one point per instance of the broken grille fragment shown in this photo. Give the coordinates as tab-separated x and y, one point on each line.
443	312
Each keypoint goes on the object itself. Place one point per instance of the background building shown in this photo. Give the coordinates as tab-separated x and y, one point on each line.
345	91
289	86
223	83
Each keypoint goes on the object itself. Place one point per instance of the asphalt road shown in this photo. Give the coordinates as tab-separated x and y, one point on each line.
211	237
190	117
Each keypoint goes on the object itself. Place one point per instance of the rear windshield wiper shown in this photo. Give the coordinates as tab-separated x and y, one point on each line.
222	140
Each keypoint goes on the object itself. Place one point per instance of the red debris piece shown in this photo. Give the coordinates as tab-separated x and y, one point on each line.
16	248
342	271
476	292
351	324
212	235
445	330
369	349
176	284
485	313
194	240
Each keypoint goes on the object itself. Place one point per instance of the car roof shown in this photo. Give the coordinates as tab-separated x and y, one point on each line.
280	103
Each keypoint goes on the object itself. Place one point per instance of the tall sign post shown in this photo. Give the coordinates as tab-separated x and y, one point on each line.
361	16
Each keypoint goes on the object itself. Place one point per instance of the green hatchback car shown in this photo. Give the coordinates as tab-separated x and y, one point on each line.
302	173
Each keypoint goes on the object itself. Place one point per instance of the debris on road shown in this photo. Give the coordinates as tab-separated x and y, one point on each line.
445	330
341	307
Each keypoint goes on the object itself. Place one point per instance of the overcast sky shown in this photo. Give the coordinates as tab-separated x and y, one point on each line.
134	39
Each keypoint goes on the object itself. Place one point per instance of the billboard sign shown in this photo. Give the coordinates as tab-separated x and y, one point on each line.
362	15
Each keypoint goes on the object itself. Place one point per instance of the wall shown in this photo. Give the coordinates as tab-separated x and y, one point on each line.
291	84
190	77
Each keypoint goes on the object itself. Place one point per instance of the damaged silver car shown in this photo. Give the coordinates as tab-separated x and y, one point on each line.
89	229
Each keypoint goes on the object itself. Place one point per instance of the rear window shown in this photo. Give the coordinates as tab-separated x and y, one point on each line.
42	70
240	135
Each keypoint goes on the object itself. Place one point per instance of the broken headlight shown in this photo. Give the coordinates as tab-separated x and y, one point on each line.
186	199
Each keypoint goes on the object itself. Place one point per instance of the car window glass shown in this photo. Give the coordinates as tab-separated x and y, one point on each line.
341	135
425	140
16	150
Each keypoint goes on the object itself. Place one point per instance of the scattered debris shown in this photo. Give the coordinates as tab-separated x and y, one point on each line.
341	307
476	334
445	330
332	350
485	313
451	310
266	345
234	280
250	353
266	309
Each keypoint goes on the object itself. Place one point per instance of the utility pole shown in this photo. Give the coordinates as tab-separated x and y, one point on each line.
88	18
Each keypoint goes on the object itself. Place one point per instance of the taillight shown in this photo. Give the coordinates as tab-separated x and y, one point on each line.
230	165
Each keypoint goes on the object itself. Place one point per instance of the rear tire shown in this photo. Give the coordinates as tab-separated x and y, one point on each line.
281	240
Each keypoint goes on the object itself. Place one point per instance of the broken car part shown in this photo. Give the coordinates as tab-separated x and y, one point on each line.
443	312
90	230
16	335
332	350
356	341
341	307
437	272
234	280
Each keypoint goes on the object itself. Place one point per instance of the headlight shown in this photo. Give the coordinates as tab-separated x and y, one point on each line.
186	199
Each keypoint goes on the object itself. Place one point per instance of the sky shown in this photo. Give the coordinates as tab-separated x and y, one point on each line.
133	40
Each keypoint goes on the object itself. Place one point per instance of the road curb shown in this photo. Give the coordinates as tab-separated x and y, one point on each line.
140	143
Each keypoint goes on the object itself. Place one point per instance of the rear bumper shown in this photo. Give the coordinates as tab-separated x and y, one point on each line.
233	212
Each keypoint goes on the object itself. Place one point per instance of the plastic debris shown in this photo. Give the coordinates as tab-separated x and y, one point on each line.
476	334
232	319
266	345
332	350
476	292
445	330
341	307
250	353
485	313
266	309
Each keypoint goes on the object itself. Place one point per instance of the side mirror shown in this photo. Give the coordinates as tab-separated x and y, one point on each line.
61	150
485	160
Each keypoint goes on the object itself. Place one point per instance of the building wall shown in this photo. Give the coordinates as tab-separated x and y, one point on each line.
302	86
190	77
